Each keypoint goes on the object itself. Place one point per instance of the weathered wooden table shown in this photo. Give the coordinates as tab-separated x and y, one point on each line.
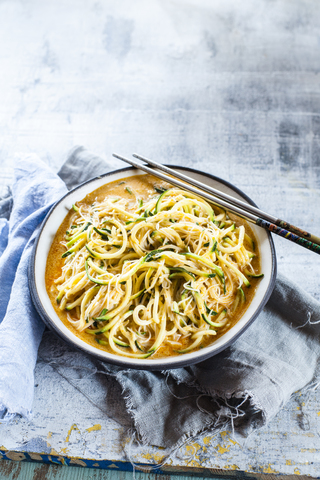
232	88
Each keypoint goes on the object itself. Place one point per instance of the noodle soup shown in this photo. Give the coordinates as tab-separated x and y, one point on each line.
142	269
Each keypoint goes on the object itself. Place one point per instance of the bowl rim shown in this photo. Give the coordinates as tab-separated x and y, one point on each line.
145	364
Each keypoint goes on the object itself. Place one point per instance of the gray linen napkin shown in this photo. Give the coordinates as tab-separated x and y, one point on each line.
245	385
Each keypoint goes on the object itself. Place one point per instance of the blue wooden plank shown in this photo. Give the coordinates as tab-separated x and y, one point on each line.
22	458
22	470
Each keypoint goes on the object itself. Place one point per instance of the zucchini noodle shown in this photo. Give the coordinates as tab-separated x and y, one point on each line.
142	277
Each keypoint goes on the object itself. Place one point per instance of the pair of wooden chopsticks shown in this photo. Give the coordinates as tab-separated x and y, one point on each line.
240	208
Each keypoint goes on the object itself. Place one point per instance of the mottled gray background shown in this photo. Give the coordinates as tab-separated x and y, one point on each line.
232	88
228	87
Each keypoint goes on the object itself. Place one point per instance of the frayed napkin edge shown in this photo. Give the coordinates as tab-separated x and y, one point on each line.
223	397
7	416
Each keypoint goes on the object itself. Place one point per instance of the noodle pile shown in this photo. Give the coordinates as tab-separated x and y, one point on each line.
142	277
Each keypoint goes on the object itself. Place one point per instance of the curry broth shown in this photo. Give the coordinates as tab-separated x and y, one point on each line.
142	187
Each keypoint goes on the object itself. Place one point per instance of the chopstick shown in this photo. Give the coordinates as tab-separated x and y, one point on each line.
240	208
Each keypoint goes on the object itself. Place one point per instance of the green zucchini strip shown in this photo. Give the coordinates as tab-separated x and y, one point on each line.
192	346
122	305
206	262
235	270
77	246
253	275
78	235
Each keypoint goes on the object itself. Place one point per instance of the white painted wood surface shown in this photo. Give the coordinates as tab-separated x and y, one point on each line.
231	88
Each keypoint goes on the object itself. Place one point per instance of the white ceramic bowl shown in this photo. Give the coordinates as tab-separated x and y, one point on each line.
49	316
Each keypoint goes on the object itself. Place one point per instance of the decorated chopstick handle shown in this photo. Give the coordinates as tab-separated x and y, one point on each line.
298	231
288	235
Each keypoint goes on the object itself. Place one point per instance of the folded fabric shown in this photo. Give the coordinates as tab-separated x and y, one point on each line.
35	189
246	384
4	232
5	210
